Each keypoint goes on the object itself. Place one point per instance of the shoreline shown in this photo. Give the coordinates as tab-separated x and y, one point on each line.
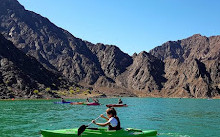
85	96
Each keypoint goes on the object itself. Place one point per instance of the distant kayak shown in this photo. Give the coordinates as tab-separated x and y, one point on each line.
77	103
85	103
66	102
99	132
93	104
116	105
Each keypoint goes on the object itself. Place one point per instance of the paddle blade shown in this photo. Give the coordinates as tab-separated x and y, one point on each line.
81	129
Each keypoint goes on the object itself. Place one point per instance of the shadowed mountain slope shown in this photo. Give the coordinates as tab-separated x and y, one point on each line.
52	46
20	74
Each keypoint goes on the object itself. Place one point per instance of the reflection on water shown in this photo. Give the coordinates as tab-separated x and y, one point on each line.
171	117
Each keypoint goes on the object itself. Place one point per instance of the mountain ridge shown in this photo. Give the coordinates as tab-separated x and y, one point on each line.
163	72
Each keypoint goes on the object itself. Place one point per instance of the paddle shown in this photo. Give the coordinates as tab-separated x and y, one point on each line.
83	127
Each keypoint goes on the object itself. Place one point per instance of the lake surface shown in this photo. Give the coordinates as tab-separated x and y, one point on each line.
170	117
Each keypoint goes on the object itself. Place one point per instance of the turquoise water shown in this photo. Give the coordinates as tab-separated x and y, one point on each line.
170	117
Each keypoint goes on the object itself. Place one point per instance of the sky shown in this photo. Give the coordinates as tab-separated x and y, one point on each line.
132	25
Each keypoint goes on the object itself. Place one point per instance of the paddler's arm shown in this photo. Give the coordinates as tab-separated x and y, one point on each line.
104	117
101	124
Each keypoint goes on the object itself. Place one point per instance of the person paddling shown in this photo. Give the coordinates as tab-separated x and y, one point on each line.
62	100
120	101
113	121
95	100
87	100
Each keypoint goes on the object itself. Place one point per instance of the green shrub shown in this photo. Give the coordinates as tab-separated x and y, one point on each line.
53	91
72	91
36	91
77	90
47	89
85	92
70	88
62	93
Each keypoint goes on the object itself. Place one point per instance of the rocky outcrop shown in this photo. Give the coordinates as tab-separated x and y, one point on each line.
145	74
112	60
20	74
191	66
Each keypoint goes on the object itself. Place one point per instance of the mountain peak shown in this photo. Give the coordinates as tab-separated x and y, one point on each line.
197	36
10	5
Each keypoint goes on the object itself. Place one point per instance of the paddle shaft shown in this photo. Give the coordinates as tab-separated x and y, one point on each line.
83	127
95	120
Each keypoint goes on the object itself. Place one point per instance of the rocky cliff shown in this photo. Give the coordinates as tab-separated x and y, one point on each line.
112	60
52	46
20	74
144	74
192	66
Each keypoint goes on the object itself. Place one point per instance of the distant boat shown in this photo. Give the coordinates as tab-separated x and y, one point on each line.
116	105
59	102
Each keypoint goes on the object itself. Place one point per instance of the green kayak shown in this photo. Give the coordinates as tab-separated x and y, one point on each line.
98	132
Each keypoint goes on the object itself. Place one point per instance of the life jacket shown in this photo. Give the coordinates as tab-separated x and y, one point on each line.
118	127
120	102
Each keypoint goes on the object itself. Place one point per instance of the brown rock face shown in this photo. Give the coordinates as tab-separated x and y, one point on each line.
191	66
20	74
146	73
52	46
112	60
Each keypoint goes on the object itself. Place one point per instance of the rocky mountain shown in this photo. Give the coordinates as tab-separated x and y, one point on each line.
183	68
20	74
58	50
144	74
52	46
113	63
112	60
192	66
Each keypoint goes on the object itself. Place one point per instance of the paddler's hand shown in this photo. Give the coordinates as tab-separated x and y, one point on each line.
102	116
93	121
